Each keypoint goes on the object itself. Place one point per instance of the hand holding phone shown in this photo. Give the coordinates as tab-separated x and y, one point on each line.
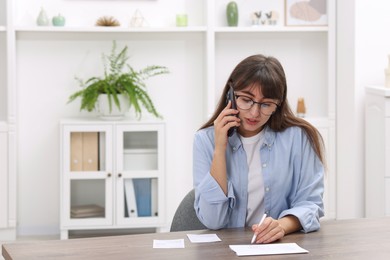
230	97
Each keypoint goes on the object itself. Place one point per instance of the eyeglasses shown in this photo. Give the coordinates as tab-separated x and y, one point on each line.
246	103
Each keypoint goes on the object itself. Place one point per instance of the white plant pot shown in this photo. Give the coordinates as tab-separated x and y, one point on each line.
115	113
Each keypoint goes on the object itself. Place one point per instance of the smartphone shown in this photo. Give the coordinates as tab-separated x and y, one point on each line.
230	96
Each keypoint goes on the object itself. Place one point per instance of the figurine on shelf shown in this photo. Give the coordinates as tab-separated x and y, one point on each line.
255	17
264	18
272	17
107	21
301	108
138	20
42	19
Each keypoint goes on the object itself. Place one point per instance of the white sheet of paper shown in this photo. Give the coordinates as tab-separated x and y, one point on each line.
203	238
268	249
174	243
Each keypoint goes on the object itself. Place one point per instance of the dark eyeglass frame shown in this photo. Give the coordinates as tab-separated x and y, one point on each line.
258	103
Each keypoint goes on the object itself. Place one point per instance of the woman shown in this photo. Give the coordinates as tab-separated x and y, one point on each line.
273	164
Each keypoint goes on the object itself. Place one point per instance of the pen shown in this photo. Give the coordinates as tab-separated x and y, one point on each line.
261	221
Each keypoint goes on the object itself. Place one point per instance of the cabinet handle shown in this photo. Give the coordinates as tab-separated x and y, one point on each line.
108	174
119	175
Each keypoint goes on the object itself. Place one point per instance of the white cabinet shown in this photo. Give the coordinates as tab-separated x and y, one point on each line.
377	173
112	175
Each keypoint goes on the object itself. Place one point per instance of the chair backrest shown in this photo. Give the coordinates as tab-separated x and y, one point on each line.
185	216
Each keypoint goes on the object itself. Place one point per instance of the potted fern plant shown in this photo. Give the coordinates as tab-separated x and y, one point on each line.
120	88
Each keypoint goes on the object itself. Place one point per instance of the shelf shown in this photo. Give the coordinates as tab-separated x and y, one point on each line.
260	29
95	120
111	29
140	151
256	29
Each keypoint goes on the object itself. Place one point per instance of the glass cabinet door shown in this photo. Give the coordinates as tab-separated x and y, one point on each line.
87	175
139	151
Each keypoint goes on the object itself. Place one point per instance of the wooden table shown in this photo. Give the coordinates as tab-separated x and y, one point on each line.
342	239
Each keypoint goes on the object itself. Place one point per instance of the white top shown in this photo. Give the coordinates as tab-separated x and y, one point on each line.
255	207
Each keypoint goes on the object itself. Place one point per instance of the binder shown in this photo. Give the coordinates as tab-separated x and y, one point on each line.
90	151
84	151
76	151
142	188
130	198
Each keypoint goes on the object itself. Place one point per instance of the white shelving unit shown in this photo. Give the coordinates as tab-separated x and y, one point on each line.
119	168
200	58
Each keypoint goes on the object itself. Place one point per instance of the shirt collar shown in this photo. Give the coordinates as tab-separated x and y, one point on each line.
269	138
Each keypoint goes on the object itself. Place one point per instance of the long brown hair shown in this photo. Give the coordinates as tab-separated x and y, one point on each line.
268	74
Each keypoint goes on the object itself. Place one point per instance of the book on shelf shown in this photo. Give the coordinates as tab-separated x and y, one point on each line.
87	211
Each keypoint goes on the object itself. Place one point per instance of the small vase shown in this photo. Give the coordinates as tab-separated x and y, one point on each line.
42	19
301	108
232	13
58	20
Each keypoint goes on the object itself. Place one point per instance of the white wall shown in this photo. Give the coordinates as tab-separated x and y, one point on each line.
363	45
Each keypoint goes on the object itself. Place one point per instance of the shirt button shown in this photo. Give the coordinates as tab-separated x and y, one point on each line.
264	165
267	189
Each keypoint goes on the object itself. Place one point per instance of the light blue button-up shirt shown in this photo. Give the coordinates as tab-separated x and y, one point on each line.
292	172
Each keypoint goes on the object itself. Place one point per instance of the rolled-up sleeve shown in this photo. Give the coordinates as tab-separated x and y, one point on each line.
307	202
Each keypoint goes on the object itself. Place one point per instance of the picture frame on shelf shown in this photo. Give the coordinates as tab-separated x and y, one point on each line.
306	12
